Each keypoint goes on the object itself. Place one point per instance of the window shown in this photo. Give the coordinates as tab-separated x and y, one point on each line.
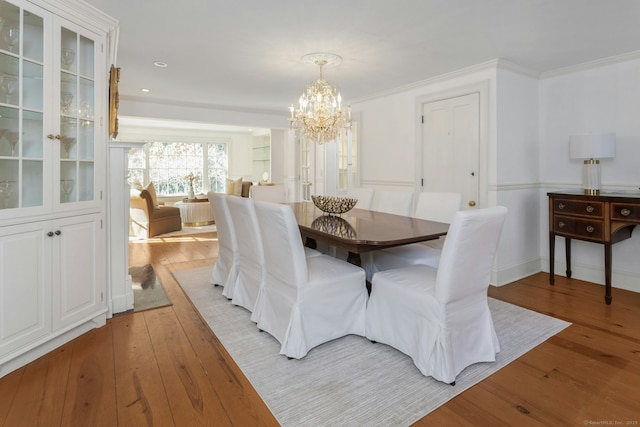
348	158
167	163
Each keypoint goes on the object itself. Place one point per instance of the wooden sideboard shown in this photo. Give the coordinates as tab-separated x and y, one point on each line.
605	218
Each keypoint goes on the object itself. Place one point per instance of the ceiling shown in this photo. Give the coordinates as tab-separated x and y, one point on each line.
245	55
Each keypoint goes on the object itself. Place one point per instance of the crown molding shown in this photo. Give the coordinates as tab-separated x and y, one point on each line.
489	65
90	16
629	56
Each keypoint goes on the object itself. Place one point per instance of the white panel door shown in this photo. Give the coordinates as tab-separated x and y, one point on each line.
451	144
25	285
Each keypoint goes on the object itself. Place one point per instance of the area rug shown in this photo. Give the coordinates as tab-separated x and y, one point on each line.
350	381
148	292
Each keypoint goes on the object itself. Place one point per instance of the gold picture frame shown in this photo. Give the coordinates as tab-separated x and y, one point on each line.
114	78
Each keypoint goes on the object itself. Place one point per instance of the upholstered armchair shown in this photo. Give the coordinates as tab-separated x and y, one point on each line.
148	218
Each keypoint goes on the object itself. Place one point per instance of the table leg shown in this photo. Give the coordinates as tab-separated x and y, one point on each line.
552	258
567	253
354	258
607	273
310	243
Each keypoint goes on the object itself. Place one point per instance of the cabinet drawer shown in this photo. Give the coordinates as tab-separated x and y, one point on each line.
625	212
584	228
579	207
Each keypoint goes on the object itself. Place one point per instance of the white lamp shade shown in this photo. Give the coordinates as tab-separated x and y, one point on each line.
592	146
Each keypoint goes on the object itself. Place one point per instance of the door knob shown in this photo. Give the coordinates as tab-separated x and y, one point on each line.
472	203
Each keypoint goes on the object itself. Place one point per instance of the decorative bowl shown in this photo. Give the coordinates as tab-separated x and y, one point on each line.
334	205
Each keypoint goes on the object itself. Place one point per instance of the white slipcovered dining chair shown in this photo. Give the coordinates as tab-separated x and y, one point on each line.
225	270
305	301
432	206
440	317
251	264
393	201
364	196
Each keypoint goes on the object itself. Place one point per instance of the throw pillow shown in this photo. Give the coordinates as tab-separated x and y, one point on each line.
237	187
152	192
234	187
230	187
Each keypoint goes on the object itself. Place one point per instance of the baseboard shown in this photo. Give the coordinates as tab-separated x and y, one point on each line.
588	273
20	357
123	302
515	272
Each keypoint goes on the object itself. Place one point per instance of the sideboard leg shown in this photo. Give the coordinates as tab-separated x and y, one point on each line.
607	273
552	258
567	252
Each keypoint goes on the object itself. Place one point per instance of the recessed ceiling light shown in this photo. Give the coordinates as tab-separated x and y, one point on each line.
160	64
144	89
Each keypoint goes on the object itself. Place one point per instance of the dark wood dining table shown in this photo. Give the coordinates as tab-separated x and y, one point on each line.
360	230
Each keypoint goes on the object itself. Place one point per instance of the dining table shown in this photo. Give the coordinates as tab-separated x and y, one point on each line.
360	230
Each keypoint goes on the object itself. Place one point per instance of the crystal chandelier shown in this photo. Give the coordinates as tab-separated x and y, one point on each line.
320	115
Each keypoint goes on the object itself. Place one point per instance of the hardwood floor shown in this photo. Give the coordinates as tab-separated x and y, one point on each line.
164	367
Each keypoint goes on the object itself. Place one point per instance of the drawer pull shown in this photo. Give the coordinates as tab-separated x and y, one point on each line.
590	208
561	205
561	224
625	212
590	229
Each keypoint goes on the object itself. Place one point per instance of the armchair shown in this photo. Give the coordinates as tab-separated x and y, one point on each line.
147	220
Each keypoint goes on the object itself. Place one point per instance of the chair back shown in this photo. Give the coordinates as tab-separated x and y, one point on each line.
282	242
438	206
224	268
393	202
268	193
251	263
364	196
468	253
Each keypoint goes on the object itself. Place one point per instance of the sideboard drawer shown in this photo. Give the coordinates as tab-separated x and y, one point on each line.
583	228
579	207
625	212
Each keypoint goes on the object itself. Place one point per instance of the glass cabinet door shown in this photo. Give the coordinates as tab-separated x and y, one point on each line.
22	107
77	109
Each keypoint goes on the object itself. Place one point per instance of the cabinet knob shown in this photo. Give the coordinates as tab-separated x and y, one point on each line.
561	224
590	229
590	208
472	203
58	232
58	137
50	234
50	136
625	212
561	205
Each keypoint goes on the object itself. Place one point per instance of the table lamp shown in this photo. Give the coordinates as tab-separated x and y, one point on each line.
592	147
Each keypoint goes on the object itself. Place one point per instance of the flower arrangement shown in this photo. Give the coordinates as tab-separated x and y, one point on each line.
191	178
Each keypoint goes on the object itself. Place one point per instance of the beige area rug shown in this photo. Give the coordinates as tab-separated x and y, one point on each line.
350	381
148	292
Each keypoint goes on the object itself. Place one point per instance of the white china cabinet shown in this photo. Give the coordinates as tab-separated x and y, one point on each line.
53	119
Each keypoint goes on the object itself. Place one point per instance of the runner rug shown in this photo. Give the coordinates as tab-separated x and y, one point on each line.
350	381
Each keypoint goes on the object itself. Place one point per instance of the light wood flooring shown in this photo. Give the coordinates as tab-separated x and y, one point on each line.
164	367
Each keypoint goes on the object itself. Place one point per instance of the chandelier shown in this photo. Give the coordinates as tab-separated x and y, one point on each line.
320	115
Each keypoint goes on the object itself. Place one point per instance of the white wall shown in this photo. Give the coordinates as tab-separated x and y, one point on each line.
601	98
509	155
388	127
516	167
